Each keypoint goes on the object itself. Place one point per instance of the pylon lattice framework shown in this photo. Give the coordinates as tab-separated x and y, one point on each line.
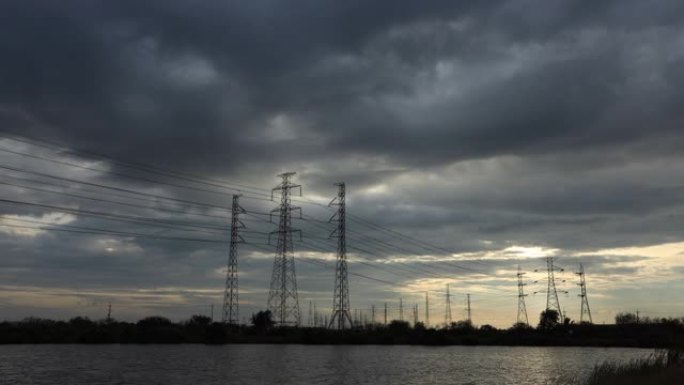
231	306
469	314
427	310
552	302
522	309
341	318
585	312
447	310
283	301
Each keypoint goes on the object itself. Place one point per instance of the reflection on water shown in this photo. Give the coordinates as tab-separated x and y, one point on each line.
298	364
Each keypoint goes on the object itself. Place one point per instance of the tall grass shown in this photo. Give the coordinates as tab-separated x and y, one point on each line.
661	367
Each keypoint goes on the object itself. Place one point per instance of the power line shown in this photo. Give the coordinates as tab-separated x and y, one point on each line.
86	230
119	217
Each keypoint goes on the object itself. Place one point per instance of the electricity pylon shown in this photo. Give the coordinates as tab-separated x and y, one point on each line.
341	319
585	312
415	314
552	302
427	310
401	309
231	306
447	309
282	298
469	313
522	309
311	320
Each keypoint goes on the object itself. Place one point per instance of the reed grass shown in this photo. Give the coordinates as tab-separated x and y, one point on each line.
661	367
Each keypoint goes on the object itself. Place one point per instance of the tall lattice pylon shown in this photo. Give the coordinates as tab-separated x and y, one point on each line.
427	310
585	312
341	318
447	308
552	302
282	298
231	305
401	309
522	309
469	313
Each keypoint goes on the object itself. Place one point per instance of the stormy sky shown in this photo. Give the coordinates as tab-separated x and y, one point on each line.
474	136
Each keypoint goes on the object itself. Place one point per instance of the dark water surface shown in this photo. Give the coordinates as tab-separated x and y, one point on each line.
298	364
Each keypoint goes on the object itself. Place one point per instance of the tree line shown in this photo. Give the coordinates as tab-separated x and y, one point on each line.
550	330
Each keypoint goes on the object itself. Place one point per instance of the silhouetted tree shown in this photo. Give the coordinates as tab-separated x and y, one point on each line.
198	319
158	329
397	326
548	319
82	322
462	325
521	326
625	318
154	321
487	328
262	320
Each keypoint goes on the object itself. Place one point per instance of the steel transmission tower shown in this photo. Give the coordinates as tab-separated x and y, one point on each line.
522	309
385	313
427	310
585	312
469	310
447	309
401	309
231	307
311	322
341	318
282	298
552	302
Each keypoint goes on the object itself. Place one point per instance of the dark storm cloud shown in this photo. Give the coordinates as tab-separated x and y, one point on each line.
474	125
108	73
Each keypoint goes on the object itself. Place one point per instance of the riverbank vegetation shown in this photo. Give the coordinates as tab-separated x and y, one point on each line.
664	367
201	329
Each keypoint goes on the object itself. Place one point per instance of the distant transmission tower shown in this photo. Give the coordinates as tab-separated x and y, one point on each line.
231	307
316	316
552	302
447	309
341	318
522	309
385	313
311	320
401	309
469	310
585	312
427	310
282	298
415	314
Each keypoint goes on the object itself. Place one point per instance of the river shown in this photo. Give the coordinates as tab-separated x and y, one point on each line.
298	364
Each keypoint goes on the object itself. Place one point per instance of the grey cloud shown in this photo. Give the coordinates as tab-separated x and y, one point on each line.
558	122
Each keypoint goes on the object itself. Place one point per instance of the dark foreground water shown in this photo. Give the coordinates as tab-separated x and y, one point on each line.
298	364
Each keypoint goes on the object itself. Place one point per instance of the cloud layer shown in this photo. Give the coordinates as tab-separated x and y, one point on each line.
475	126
